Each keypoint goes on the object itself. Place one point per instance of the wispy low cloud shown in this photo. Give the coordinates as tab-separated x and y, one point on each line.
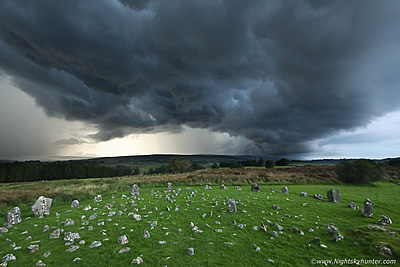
69	142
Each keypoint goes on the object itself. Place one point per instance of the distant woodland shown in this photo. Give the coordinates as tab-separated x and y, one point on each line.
35	171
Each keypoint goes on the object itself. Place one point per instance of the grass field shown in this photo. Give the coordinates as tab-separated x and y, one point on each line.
205	209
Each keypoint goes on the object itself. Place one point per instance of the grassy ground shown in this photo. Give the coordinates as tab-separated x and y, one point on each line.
288	249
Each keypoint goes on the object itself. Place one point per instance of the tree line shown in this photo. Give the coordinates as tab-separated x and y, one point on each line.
176	165
251	163
35	171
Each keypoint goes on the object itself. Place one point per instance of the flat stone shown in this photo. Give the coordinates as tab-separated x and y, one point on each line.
352	205
72	248
123	250
95	244
385	221
46	254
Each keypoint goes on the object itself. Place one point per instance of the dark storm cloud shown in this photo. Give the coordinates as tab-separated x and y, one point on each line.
280	73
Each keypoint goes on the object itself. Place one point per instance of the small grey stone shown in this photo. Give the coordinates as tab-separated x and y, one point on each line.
9	257
46	254
72	248
32	248
146	234
40	263
138	260
123	250
122	240
68	222
95	244
190	251
98	199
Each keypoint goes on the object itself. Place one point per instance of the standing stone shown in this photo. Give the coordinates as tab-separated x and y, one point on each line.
134	190
232	205
75	204
284	190
98	198
368	208
255	188
190	251
42	206
222	186
169	187
12	217
333	195
207	187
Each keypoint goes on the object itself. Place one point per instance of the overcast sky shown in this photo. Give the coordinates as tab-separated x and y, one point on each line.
301	79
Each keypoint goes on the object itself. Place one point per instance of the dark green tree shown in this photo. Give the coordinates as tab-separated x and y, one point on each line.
269	164
359	172
136	171
178	165
282	162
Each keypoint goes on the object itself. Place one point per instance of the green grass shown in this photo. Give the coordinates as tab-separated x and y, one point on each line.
289	249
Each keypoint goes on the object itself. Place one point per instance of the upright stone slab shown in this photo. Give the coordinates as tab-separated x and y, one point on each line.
333	195
169	187
285	190
232	205
134	190
12	217
255	188
368	208
75	204
42	206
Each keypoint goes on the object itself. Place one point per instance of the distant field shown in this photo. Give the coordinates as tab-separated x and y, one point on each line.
208	211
